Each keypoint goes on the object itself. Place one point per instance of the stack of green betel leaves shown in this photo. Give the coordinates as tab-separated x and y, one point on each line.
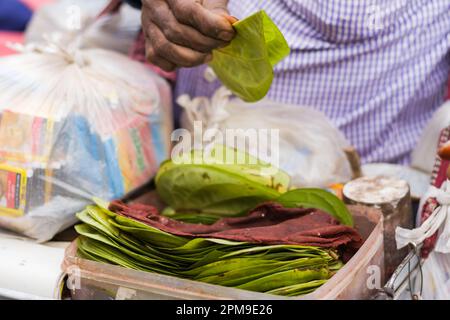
278	269
202	186
235	225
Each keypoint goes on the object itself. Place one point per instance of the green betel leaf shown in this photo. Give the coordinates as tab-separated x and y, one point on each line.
246	65
319	199
209	185
234	161
277	47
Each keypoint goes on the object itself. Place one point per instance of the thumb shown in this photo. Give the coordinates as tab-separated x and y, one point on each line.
217	6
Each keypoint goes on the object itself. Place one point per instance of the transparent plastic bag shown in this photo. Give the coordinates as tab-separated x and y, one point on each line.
310	149
65	19
75	124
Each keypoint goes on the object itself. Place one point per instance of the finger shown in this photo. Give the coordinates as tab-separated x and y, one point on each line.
207	22
158	61
178	33
178	55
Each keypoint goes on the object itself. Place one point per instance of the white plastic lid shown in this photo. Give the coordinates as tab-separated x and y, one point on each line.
376	190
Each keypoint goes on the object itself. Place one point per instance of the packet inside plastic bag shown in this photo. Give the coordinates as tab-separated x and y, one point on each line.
75	124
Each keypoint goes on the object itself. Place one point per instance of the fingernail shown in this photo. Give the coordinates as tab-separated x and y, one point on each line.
232	19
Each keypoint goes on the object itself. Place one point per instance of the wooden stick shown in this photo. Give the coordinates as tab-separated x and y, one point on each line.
354	160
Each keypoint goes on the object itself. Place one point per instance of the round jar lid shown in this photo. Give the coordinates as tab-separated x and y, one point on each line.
376	190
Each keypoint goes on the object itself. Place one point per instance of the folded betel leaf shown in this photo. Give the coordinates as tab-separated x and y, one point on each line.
212	185
246	65
319	199
234	161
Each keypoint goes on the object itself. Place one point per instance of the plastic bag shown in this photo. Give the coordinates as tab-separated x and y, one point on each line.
432	232
75	124
65	19
310	149
436	277
434	280
423	155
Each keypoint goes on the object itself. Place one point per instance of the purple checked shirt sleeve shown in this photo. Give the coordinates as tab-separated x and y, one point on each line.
377	68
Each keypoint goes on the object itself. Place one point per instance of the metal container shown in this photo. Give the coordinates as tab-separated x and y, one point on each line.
392	197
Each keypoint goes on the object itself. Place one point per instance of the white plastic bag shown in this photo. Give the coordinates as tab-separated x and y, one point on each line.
424	154
66	18
75	124
436	277
310	149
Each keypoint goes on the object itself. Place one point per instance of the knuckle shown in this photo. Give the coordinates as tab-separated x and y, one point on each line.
166	48
182	9
160	47
197	18
157	10
200	44
173	32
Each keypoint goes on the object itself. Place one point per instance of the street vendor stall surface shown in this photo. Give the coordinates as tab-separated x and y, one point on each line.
29	270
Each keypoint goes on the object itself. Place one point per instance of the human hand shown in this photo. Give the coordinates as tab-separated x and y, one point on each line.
182	33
